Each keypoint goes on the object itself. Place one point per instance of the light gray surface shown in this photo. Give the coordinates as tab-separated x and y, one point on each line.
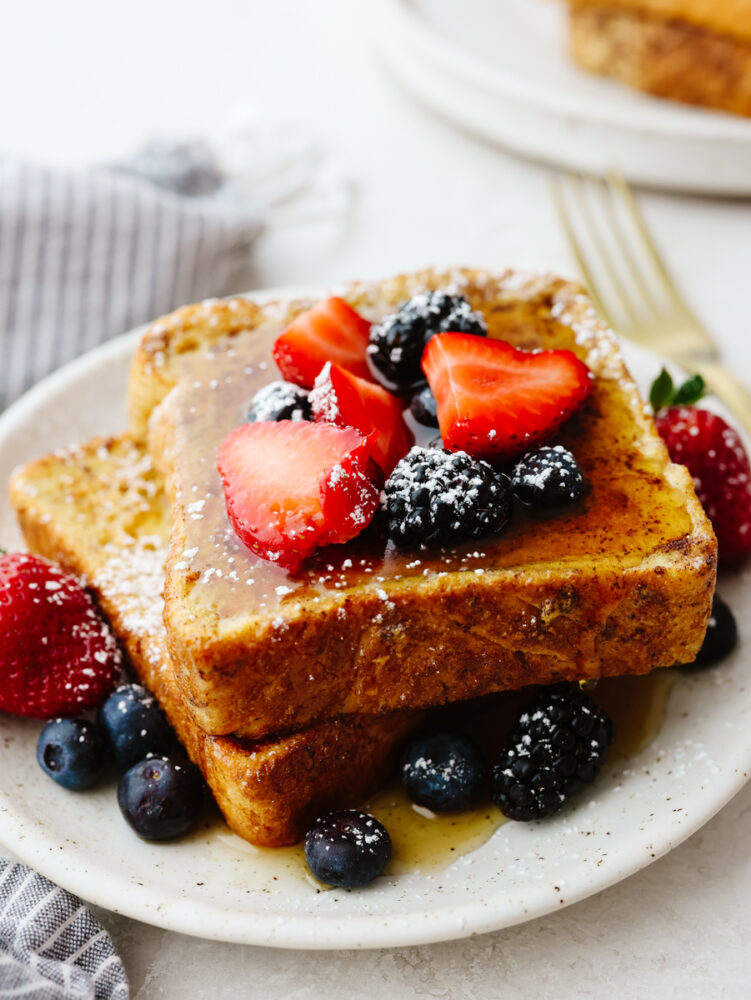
424	194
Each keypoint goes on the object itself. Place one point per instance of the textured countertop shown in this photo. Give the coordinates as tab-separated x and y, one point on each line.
423	193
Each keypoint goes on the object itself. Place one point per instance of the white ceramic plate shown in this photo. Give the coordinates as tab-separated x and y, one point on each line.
215	885
500	68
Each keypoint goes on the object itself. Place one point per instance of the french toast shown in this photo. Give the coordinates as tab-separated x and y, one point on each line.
622	585
99	509
692	51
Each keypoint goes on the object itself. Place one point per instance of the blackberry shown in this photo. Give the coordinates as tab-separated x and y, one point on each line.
548	480
442	771
280	401
424	408
721	637
397	342
347	848
434	497
557	746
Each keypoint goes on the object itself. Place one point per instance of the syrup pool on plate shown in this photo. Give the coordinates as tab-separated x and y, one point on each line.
425	842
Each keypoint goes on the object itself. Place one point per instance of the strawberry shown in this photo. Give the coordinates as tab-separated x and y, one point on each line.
714	455
330	331
57	655
292	486
494	401
341	398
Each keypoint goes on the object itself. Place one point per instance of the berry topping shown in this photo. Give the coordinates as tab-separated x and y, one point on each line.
330	331
548	480
279	401
347	848
72	752
442	771
161	797
57	655
291	487
135	725
397	342
557	746
496	402
433	497
424	408
717	460
721	636
341	398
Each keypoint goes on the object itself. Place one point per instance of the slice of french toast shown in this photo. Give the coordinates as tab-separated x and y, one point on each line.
100	510
697	53
621	585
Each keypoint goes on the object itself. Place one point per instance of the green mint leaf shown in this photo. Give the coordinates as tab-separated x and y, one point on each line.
661	392
690	392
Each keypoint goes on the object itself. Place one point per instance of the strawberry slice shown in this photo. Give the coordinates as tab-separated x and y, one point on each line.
341	398
292	486
494	401
330	331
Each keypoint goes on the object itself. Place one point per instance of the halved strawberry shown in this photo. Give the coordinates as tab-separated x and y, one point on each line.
330	331
292	486
495	401
341	398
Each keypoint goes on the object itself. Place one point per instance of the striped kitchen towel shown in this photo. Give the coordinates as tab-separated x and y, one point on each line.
88	254
85	255
51	947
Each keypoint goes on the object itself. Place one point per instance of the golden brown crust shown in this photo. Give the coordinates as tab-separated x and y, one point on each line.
100	510
538	615
668	58
728	17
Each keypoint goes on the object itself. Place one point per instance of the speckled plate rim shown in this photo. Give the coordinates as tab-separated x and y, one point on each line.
524	872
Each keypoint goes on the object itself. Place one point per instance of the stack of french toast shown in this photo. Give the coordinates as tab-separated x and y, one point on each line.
293	691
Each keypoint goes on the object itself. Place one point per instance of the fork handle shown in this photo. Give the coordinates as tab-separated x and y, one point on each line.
727	388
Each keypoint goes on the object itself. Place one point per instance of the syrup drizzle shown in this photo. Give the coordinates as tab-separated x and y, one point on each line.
425	842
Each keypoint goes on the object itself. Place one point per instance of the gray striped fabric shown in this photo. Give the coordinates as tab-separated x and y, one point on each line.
86	255
51	947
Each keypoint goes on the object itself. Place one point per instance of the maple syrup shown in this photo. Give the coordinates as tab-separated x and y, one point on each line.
425	842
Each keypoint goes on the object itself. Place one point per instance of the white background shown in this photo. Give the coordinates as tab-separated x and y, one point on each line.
86	80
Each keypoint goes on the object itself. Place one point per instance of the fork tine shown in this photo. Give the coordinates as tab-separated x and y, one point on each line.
581	260
608	195
604	255
619	186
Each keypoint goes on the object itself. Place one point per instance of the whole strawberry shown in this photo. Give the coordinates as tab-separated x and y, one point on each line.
57	655
714	455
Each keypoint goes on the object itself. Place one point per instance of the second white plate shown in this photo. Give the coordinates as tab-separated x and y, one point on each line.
501	69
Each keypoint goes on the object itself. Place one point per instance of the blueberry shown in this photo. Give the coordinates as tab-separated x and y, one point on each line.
721	636
424	407
280	401
161	797
347	848
135	725
442	771
548	480
72	752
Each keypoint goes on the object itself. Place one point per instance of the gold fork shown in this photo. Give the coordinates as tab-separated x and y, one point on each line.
630	283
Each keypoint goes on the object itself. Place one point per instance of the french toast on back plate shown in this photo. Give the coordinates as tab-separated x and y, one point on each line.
100	510
621	585
695	51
